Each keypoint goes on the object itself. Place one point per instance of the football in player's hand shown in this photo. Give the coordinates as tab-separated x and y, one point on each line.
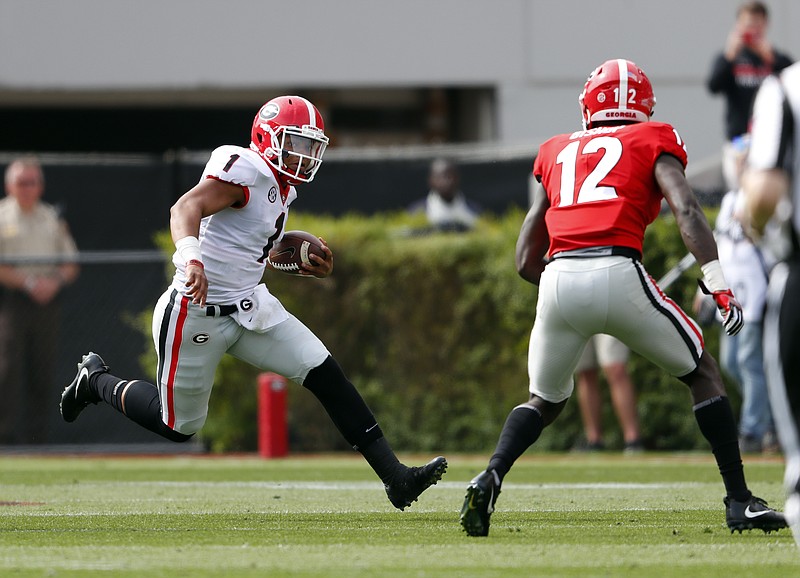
293	250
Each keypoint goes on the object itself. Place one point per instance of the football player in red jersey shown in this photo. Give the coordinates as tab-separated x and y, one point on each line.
600	188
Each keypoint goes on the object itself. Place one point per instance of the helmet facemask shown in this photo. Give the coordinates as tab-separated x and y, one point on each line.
296	151
289	133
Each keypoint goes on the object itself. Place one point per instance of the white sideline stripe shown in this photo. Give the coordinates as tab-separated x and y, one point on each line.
339	486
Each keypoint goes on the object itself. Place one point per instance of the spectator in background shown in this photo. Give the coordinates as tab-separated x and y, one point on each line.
738	71
741	355
772	208
29	305
446	207
610	354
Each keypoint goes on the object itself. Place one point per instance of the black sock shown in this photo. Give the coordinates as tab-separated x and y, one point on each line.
718	426
108	387
344	404
140	403
523	427
381	458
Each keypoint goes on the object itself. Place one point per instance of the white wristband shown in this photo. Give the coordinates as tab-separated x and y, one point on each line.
712	272
188	248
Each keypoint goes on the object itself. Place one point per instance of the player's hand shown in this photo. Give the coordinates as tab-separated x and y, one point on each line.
729	308
196	283
321	267
44	289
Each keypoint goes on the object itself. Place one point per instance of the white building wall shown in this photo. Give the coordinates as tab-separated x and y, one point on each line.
537	53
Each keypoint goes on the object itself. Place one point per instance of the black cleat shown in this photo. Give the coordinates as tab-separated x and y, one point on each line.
408	486
77	395
752	514
479	503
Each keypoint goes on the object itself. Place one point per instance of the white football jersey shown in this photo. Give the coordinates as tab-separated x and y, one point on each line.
235	242
744	267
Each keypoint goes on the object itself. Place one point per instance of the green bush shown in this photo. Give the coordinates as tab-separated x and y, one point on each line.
433	330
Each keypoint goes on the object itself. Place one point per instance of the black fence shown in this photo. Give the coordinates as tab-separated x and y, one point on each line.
115	204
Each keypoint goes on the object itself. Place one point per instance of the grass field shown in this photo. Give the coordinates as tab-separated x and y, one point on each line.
558	515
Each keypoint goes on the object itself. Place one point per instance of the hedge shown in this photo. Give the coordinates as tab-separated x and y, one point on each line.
433	330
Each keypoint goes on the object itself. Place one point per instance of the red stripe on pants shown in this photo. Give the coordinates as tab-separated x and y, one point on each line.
173	364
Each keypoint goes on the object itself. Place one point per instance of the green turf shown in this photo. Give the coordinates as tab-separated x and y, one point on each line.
558	515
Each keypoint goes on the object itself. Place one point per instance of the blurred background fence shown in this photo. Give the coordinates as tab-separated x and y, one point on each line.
482	83
116	204
433	330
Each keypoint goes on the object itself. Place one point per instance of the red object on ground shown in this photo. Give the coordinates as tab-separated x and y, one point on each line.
273	433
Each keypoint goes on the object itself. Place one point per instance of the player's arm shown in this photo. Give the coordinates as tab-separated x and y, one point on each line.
533	239
698	238
208	197
765	182
763	190
692	222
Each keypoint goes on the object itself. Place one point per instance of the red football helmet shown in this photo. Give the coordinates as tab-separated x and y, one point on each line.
617	90
288	132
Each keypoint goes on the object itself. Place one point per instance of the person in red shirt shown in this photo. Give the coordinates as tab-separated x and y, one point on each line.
600	188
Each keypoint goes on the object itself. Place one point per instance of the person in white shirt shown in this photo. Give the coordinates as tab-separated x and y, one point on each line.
445	206
741	355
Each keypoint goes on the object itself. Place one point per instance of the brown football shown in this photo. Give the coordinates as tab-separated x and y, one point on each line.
293	250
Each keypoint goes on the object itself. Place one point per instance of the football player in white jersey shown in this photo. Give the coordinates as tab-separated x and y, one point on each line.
223	229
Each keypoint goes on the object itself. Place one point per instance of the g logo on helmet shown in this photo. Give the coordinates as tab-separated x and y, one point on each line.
269	111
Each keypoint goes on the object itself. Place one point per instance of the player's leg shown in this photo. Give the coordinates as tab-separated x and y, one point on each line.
665	335
623	399
136	399
590	404
189	346
553	352
587	389
292	350
554	349
756	417
613	357
715	418
730	362
781	344
522	428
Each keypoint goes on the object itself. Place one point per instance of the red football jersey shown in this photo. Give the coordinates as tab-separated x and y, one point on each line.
601	183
